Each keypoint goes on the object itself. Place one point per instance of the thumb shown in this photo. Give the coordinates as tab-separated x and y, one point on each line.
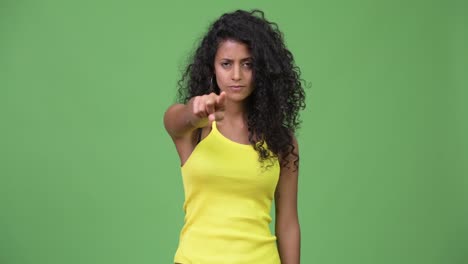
217	116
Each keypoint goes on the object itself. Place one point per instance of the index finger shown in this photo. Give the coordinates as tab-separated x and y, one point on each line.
220	100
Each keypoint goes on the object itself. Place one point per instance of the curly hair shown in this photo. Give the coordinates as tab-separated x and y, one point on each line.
278	95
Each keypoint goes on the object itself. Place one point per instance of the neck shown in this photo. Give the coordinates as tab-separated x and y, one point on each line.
235	112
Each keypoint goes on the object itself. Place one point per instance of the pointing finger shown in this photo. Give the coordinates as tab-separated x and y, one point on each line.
220	100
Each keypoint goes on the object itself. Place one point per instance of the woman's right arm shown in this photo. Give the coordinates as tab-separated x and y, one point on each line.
180	120
177	120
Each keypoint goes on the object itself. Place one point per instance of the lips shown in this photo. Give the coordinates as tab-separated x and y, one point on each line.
236	88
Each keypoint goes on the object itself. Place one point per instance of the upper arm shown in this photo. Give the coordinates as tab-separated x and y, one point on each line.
286	190
182	133
175	122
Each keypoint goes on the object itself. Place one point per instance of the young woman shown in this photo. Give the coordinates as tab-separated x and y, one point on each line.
234	133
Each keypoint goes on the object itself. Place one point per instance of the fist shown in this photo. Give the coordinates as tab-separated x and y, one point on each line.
208	108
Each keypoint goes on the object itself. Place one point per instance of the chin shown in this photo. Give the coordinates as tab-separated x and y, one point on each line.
236	97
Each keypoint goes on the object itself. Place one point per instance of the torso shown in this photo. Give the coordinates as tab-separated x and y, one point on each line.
212	173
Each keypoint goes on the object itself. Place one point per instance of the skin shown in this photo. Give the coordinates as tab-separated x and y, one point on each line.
234	76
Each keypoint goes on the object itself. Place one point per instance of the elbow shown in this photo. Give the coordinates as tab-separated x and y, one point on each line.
288	227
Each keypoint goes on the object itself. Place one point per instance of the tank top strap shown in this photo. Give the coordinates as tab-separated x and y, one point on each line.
215	131
214	127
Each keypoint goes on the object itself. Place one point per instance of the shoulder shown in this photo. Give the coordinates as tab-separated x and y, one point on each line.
289	161
294	141
293	148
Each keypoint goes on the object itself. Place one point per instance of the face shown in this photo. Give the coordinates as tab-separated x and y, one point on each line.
233	70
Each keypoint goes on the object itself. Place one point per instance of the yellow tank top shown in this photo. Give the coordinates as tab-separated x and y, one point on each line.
228	196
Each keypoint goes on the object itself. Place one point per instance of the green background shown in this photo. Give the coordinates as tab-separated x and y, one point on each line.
89	175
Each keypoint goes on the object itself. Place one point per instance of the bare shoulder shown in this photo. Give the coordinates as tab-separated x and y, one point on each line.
292	156
186	145
295	143
178	124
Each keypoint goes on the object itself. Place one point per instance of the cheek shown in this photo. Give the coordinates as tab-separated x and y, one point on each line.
218	77
223	77
221	81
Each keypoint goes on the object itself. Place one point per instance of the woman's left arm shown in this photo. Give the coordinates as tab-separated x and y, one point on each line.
287	221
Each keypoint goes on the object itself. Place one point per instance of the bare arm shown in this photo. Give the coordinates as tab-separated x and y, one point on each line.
180	120
287	221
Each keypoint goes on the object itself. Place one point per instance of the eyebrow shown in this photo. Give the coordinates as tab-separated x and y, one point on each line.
230	60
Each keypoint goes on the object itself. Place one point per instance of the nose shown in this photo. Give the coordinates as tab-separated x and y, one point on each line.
236	73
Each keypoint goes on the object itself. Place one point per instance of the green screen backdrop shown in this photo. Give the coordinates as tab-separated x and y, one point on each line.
89	175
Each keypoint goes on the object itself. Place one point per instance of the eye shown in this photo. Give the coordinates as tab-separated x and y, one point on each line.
248	65
225	64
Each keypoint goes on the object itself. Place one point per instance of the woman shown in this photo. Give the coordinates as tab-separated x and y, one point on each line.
234	133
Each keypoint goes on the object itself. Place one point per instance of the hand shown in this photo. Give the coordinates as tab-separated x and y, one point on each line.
207	108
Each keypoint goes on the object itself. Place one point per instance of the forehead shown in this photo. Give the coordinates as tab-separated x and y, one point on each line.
232	49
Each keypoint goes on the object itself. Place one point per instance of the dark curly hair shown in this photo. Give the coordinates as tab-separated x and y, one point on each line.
273	107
